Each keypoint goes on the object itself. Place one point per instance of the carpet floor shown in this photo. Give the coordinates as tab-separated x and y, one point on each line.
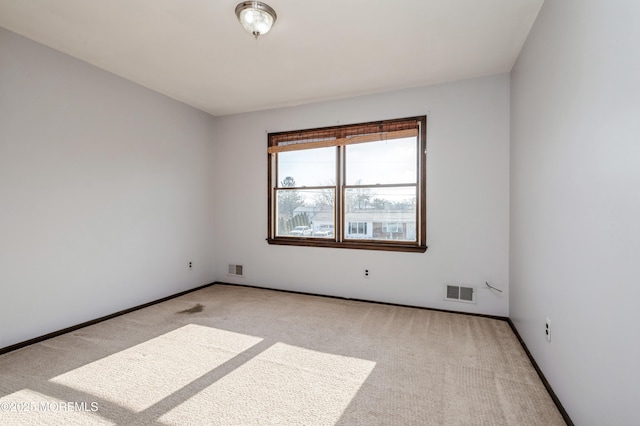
230	355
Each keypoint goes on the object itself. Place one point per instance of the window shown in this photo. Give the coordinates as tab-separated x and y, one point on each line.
358	228
360	186
392	227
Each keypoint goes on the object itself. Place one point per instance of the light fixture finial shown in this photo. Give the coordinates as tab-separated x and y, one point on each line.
256	17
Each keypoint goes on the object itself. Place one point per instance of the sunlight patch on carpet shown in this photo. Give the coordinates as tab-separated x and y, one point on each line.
140	376
284	384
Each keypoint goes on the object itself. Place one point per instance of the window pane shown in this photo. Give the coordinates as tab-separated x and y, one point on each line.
307	213
383	162
311	167
374	213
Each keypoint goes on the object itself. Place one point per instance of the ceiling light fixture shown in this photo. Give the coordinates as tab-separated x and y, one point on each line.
256	17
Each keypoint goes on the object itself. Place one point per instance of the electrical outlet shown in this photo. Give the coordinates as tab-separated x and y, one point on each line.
190	265
547	329
366	273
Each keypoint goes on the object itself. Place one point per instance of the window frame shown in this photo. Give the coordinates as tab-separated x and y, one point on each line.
331	136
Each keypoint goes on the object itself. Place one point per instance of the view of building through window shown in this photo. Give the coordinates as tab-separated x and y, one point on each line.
358	190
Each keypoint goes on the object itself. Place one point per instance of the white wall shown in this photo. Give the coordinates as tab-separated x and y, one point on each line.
467	198
105	192
575	205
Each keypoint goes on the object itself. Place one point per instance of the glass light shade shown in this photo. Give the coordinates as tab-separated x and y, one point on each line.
256	17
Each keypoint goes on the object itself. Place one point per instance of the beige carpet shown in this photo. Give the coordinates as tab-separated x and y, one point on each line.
229	355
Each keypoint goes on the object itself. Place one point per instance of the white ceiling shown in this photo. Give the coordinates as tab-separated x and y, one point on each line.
195	51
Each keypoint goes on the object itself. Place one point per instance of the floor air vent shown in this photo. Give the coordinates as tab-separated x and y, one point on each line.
235	270
458	293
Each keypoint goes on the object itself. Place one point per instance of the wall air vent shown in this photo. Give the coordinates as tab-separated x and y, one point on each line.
457	293
235	270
